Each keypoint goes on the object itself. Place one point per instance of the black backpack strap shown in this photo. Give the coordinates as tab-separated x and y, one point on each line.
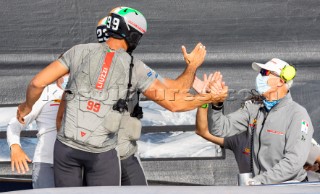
130	79
122	105
137	111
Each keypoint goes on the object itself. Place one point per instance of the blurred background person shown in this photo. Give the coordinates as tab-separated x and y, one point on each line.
44	113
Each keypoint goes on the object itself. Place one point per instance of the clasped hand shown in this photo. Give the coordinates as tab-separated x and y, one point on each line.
212	84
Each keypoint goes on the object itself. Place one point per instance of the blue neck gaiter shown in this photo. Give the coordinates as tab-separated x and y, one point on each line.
270	104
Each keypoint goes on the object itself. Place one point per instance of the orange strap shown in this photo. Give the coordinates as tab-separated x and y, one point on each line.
104	70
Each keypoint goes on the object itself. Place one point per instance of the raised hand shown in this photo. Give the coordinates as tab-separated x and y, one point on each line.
196	57
218	89
202	86
216	83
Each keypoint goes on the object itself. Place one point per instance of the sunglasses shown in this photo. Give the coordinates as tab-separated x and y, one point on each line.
265	72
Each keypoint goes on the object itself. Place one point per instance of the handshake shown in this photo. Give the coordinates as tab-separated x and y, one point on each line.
213	85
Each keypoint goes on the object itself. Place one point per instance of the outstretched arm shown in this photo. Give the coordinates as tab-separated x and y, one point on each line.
224	125
45	77
202	127
169	97
180	100
202	113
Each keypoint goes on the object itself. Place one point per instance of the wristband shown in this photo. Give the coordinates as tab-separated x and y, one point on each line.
217	107
205	106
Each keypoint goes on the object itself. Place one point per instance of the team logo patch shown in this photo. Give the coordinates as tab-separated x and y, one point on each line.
275	132
82	133
304	126
246	151
55	102
151	71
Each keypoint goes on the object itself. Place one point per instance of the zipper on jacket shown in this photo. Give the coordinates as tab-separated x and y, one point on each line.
264	120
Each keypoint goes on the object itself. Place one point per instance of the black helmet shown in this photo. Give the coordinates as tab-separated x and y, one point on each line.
127	23
101	30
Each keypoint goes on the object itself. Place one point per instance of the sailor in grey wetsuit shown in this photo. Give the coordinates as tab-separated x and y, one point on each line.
281	128
130	130
103	78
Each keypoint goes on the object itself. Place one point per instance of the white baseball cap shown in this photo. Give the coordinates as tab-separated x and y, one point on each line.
275	65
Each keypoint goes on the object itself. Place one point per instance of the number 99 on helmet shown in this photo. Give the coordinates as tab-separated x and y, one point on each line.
126	23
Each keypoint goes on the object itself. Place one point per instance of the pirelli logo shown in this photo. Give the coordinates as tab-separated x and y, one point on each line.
104	70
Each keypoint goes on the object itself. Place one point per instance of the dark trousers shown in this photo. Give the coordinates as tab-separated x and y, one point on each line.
131	172
42	175
71	166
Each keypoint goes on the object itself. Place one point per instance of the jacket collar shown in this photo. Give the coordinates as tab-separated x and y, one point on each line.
283	102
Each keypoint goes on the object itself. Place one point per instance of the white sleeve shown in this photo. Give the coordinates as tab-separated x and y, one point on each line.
13	132
15	127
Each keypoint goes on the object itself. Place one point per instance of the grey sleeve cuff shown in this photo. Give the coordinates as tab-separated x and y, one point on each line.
63	62
146	85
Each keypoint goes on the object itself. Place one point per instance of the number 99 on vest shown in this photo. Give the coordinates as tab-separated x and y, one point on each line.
93	106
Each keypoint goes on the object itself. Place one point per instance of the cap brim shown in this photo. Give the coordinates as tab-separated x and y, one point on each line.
257	66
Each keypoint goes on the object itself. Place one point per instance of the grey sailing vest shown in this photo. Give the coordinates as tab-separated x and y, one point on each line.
90	123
